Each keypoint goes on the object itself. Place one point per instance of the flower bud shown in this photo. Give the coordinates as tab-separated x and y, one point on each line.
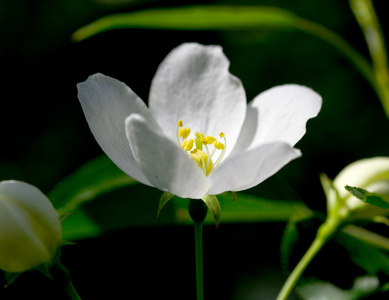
30	229
371	174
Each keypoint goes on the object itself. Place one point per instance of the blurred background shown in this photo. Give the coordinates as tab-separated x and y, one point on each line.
45	137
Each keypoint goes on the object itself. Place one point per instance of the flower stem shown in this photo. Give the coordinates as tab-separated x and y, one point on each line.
69	288
299	269
198	211
324	233
62	277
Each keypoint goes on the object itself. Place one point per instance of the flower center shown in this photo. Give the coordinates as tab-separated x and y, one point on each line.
201	153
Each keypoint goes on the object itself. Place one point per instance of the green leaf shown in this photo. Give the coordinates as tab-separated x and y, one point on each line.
95	178
214	207
137	205
226	18
120	203
379	200
191	18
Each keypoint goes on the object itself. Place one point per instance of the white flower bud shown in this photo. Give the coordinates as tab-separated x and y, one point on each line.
371	174
30	229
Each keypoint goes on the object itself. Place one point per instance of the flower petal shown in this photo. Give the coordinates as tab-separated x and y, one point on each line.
164	163
107	102
247	169
193	84
278	114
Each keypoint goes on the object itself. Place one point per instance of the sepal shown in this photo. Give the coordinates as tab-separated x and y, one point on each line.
165	198
62	218
45	270
376	199
332	195
214	207
10	277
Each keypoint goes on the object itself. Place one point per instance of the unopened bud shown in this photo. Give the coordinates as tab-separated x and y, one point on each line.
30	229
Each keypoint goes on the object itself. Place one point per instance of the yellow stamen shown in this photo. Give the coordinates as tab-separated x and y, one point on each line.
209	168
183	144
209	160
203	159
219	159
198	155
184	132
218	146
210	139
189	145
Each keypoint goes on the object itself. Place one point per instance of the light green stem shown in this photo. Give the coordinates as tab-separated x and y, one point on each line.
72	291
368	21
324	233
299	269
62	277
198	226
367	236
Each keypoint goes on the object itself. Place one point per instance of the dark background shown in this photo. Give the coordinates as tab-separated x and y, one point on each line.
45	137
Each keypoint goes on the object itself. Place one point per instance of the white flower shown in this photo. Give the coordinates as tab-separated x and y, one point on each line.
193	99
30	229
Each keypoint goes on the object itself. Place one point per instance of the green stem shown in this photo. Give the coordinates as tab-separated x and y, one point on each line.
198	211
368	21
299	269
62	277
367	236
198	226
324	233
69	288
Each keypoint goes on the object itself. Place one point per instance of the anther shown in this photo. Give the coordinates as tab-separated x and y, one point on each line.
210	139
219	145
189	145
201	142
183	144
198	156
184	132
